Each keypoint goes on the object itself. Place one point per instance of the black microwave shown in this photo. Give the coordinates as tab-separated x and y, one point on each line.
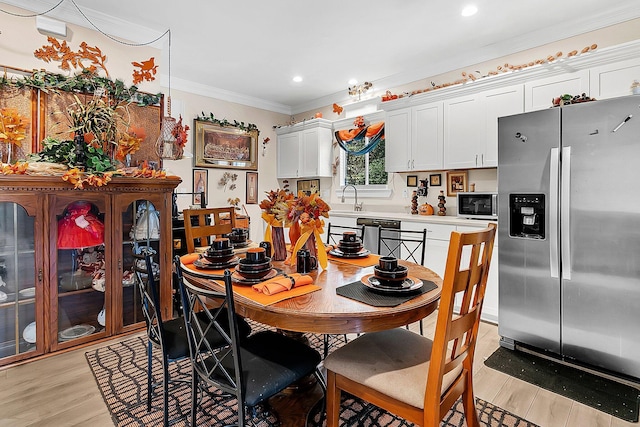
478	205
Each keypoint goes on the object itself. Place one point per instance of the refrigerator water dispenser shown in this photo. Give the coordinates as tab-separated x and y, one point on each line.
526	216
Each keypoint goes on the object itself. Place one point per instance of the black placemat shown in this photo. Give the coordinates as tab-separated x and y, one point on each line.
359	292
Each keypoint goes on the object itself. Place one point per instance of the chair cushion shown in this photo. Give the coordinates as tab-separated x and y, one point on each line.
394	362
271	362
176	345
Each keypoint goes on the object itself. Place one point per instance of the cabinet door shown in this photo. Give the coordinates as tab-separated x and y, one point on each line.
539	94
464	137
308	153
498	103
22	323
397	155
137	226
613	80
80	243
288	155
427	142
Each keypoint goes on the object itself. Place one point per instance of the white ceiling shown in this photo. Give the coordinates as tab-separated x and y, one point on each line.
248	51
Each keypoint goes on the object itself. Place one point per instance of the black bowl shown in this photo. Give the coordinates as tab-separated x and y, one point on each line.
217	259
219	252
399	273
346	244
350	250
247	265
256	274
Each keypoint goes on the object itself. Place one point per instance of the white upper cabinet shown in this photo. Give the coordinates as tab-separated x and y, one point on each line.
397	137
471	126
499	102
464	131
304	149
539	94
614	80
414	138
427	136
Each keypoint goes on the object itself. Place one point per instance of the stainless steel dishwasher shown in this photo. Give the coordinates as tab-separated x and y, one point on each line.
370	240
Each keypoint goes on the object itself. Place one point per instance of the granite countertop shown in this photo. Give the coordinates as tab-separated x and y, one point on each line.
434	219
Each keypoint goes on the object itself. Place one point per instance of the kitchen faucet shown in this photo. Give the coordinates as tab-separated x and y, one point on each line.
356	206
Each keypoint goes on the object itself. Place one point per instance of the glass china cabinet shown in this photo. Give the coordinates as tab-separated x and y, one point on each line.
66	260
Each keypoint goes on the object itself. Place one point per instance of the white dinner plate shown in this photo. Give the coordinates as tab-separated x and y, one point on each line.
28	293
29	333
76	331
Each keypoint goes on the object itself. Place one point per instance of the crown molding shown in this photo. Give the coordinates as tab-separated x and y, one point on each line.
225	95
585	61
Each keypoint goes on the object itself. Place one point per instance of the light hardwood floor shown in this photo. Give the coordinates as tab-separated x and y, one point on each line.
61	391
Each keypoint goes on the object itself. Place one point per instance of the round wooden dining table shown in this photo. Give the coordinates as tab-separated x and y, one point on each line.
326	312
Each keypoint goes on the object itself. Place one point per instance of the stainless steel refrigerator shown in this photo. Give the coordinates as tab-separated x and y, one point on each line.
569	233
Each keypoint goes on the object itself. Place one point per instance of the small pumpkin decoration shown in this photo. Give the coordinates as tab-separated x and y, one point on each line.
425	209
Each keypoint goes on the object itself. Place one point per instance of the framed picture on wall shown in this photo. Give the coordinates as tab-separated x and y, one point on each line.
227	147
412	180
456	183
252	188
200	180
434	180
308	186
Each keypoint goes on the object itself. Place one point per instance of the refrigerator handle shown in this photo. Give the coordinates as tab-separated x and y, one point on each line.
565	213
553	212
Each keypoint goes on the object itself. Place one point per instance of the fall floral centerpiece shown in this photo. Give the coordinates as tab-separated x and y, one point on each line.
13	130
306	213
275	210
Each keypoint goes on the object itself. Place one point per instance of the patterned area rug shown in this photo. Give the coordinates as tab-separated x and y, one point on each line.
121	373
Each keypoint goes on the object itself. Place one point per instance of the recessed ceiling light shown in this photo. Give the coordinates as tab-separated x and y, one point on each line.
297	79
469	10
353	82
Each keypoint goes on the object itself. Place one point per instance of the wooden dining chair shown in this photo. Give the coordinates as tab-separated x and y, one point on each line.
202	224
252	370
417	378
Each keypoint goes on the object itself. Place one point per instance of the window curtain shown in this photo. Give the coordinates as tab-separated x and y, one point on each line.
375	133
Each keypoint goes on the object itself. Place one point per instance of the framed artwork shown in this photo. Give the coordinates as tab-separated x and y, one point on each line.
252	188
200	181
308	186
412	180
225	147
434	180
456	182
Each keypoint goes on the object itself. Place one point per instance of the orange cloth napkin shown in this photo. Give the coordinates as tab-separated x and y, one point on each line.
282	283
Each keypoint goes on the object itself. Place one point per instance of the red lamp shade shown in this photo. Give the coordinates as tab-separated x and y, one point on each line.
79	227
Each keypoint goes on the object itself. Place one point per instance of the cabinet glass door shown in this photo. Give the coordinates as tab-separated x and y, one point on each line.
17	281
141	229
81	271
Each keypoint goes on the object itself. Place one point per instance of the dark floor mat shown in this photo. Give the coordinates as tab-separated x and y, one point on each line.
605	395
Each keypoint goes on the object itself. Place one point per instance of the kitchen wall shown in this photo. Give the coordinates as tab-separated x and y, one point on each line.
19	39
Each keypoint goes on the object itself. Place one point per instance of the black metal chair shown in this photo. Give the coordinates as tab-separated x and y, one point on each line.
410	245
252	370
334	233
168	336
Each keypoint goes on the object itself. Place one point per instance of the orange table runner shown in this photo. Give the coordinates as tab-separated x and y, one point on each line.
246	290
368	261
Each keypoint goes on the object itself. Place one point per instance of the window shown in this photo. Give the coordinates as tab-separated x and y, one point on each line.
366	169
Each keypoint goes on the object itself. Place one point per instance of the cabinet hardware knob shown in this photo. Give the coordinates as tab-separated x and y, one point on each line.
39	275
